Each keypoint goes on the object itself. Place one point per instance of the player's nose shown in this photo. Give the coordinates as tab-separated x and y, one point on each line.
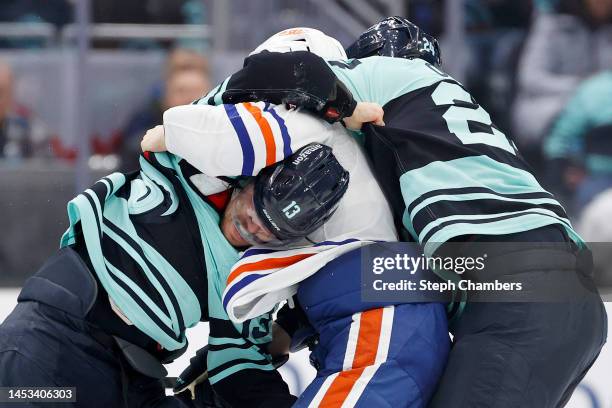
252	227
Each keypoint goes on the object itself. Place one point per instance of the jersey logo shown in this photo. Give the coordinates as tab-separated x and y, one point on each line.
303	155
291	210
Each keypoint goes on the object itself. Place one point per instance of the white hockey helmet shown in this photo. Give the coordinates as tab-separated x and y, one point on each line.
303	39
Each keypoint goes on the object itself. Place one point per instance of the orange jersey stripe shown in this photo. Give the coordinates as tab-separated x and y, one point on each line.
369	336
370	327
340	388
266	264
266	131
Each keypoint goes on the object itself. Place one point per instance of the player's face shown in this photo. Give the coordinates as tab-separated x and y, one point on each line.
241	225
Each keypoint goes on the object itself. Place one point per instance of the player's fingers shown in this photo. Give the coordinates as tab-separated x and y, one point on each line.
365	112
147	142
378	116
373	112
144	143
154	140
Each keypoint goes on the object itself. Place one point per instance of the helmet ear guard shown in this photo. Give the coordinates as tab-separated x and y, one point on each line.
396	37
296	196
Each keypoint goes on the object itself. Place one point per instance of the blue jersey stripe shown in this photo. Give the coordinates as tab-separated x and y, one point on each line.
283	128
239	285
248	153
258	251
346	241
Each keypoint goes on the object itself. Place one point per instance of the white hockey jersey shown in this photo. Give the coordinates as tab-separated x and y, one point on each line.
234	140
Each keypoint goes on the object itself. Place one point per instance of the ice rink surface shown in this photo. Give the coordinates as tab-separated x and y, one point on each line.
594	392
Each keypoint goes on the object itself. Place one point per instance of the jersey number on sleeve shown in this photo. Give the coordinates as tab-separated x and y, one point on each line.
464	110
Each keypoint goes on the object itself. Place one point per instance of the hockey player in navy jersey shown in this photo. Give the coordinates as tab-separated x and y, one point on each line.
451	175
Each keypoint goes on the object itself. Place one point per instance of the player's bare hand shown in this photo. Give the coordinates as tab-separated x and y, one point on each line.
154	140
365	112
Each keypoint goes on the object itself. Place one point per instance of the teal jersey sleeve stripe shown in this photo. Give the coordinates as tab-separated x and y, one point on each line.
474	171
188	301
477	196
236	368
215	95
218	97
140	318
407	222
220	357
171	321
128	304
150	172
222	341
468	217
210	94
524	222
117	212
98	207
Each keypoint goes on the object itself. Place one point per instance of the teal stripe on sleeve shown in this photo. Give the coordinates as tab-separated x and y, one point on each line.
468	217
172	320
148	171
478	196
474	171
239	367
521	223
221	341
217	92
137	316
142	295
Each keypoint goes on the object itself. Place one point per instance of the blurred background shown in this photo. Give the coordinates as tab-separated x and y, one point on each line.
82	80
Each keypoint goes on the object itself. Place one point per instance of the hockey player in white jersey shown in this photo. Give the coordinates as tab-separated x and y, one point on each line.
242	139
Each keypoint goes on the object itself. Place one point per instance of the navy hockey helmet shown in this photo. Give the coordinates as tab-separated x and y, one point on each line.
396	37
296	196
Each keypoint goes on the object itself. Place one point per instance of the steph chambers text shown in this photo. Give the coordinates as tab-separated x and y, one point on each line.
406	285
